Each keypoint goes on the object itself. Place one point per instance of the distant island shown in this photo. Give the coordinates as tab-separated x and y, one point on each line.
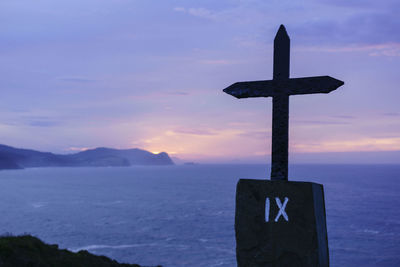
190	163
16	158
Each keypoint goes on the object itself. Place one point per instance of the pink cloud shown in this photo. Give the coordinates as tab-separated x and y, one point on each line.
193	131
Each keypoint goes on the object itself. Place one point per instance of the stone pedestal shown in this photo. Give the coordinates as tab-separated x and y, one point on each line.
280	223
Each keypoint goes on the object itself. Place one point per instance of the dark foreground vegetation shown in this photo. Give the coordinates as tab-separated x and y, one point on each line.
21	251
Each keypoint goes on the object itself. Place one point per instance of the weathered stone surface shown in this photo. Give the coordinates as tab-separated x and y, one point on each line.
269	238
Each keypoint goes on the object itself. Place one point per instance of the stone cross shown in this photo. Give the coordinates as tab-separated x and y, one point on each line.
281	222
280	88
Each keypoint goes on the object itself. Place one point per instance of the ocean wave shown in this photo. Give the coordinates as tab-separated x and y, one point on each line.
37	205
127	246
96	247
369	231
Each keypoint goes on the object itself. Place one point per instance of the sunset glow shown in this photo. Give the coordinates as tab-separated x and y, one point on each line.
141	74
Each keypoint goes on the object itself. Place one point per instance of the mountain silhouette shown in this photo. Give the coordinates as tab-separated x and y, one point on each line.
16	158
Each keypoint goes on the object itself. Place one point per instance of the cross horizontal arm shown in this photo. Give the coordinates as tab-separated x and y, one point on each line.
295	86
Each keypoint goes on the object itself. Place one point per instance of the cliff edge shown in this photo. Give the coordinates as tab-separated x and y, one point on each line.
26	250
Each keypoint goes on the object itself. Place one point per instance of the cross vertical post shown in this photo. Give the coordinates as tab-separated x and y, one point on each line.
280	108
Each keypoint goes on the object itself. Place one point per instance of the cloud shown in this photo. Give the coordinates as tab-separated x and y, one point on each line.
180	9
343	116
319	122
197	12
194	131
391	114
202	13
38	121
384	49
44	123
363	26
255	134
216	62
177	93
357	3
330	26
333	23
76	79
360	144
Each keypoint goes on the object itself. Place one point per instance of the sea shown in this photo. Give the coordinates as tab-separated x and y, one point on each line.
183	215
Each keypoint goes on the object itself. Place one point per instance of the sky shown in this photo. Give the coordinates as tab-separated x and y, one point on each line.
149	74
